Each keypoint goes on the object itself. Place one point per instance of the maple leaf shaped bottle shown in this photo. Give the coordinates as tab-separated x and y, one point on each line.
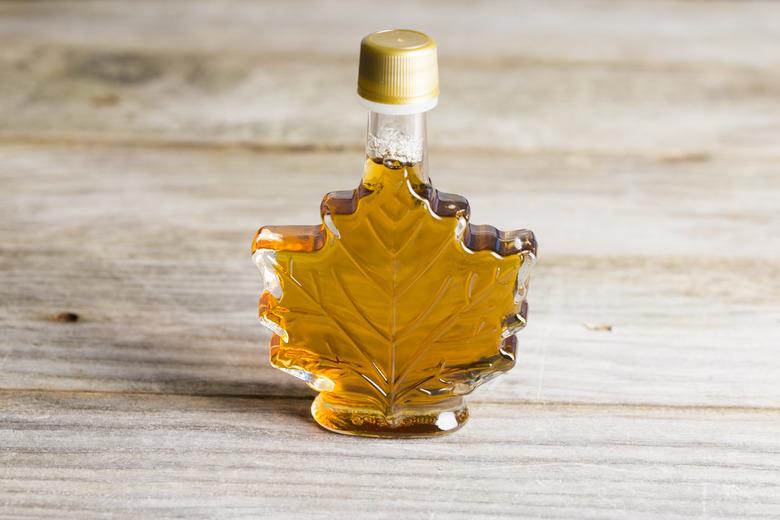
394	307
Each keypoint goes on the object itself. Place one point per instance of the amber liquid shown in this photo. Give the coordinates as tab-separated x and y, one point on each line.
395	307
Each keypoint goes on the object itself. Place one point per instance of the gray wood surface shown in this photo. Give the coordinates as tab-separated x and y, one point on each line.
142	144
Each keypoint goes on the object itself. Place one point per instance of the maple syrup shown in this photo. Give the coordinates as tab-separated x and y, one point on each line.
395	306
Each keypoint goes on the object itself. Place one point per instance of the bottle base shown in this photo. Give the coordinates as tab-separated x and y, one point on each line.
368	423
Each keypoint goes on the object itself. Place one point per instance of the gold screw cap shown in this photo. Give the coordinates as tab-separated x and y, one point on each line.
398	67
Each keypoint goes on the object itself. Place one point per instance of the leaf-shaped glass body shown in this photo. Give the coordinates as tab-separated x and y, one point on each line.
395	306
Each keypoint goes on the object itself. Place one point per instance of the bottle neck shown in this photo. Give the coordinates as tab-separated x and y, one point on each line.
398	141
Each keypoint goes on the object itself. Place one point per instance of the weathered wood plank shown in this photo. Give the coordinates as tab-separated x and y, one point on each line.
660	79
635	34
150	248
638	139
166	456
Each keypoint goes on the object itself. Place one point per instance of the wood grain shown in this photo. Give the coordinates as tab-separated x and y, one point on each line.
632	33
645	79
218	456
151	248
142	144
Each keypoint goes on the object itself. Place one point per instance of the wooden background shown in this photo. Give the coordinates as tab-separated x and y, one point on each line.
142	143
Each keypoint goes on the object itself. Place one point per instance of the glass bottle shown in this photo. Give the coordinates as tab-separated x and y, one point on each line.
395	306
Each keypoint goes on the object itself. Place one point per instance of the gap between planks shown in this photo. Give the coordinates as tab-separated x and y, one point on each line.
42	140
519	403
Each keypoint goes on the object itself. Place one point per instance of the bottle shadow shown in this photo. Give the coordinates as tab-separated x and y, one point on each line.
268	399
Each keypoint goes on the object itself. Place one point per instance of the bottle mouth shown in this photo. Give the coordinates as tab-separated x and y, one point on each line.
400	109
